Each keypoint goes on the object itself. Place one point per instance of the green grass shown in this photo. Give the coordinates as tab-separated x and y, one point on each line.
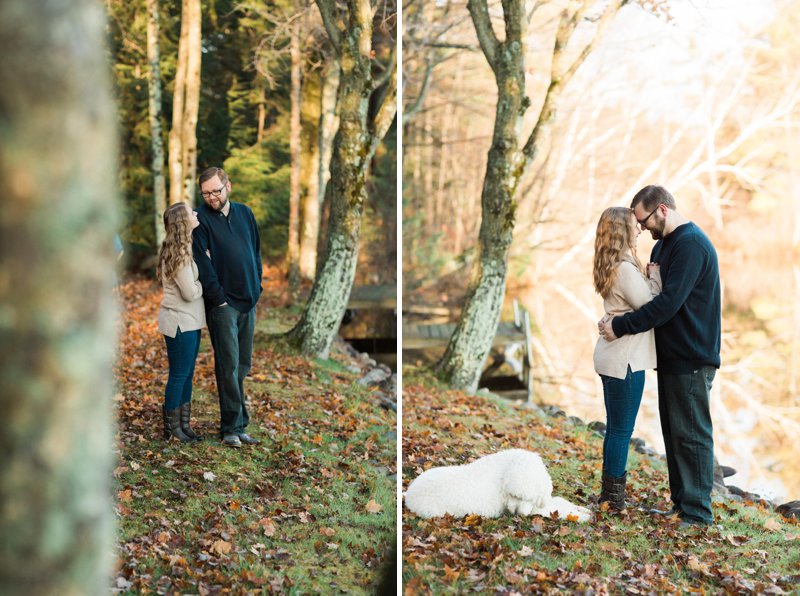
310	510
749	549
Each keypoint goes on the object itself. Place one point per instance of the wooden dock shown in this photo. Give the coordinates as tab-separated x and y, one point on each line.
377	297
511	345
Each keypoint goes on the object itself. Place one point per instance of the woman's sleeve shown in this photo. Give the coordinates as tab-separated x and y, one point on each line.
633	286
188	284
655	283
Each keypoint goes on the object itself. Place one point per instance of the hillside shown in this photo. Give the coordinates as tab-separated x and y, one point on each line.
750	549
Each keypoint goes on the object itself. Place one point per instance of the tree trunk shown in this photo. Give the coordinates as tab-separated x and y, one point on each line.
472	339
293	253
154	111
469	346
192	104
185	106
57	330
328	125
353	147
309	203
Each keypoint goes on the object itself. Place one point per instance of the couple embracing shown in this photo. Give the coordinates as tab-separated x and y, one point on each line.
210	268
665	316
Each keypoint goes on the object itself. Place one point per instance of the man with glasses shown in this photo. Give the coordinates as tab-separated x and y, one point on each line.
686	317
227	250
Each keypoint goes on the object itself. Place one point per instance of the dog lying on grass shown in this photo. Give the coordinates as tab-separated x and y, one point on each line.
515	480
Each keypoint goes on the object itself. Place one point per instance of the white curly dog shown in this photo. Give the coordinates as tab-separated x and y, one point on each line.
515	480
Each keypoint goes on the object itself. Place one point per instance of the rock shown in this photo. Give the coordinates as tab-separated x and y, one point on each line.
575	421
645	450
598	426
354	368
790	509
554	411
373	377
727	471
637	442
735	490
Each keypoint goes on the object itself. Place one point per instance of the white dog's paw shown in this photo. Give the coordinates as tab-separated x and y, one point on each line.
525	508
512	504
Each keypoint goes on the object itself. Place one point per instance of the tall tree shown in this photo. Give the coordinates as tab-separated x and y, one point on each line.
57	219
154	112
507	160
185	106
293	254
367	106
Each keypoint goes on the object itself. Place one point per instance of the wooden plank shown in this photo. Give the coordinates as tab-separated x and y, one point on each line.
364	297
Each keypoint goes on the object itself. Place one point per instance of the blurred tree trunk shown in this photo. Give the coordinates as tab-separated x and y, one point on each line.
293	252
309	197
154	111
57	331
350	29
185	106
328	125
472	339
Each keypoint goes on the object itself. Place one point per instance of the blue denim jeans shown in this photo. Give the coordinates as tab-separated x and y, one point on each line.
232	338
622	398
181	354
683	404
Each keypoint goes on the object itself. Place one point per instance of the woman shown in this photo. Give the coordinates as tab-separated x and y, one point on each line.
180	319
619	278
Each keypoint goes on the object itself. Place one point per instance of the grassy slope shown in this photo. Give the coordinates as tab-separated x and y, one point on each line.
311	509
750	549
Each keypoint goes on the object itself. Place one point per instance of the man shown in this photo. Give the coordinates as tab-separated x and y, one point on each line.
227	250
686	317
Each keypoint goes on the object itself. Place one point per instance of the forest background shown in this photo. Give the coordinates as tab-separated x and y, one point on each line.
701	97
245	124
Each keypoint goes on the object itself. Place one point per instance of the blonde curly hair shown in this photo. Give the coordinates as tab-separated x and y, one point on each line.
616	233
176	250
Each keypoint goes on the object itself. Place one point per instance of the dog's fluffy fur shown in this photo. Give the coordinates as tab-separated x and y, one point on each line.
515	480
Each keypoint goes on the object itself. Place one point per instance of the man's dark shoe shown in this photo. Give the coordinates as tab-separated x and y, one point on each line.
248	440
688	523
675	510
231	441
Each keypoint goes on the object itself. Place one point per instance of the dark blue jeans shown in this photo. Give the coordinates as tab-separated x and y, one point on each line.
683	404
181	354
622	398
232	338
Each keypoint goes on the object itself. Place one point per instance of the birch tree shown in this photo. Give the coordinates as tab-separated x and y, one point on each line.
154	113
57	219
507	161
293	254
367	106
185	106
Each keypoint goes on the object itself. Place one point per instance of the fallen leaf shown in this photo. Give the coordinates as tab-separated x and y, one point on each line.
125	495
268	526
327	531
221	547
526	551
209	476
373	506
450	574
772	525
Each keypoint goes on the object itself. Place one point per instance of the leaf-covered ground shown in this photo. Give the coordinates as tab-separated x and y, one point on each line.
312	509
750	549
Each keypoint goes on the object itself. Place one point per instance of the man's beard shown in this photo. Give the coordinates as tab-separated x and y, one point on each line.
222	202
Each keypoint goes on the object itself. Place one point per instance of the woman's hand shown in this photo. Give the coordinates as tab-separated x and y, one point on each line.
653	268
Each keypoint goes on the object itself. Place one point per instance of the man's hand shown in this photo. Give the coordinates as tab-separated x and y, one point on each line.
606	329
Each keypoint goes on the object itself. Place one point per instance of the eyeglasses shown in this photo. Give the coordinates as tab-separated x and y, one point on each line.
641	222
217	193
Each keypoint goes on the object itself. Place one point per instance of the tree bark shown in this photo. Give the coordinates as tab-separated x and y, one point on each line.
57	330
185	106
154	111
471	341
354	144
293	253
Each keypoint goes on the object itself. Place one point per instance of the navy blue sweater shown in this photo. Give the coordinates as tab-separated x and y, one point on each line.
686	315
232	273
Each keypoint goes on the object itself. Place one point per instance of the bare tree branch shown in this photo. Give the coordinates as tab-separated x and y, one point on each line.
327	9
386	112
490	45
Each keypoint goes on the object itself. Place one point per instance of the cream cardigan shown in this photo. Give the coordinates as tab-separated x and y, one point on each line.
631	291
182	305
